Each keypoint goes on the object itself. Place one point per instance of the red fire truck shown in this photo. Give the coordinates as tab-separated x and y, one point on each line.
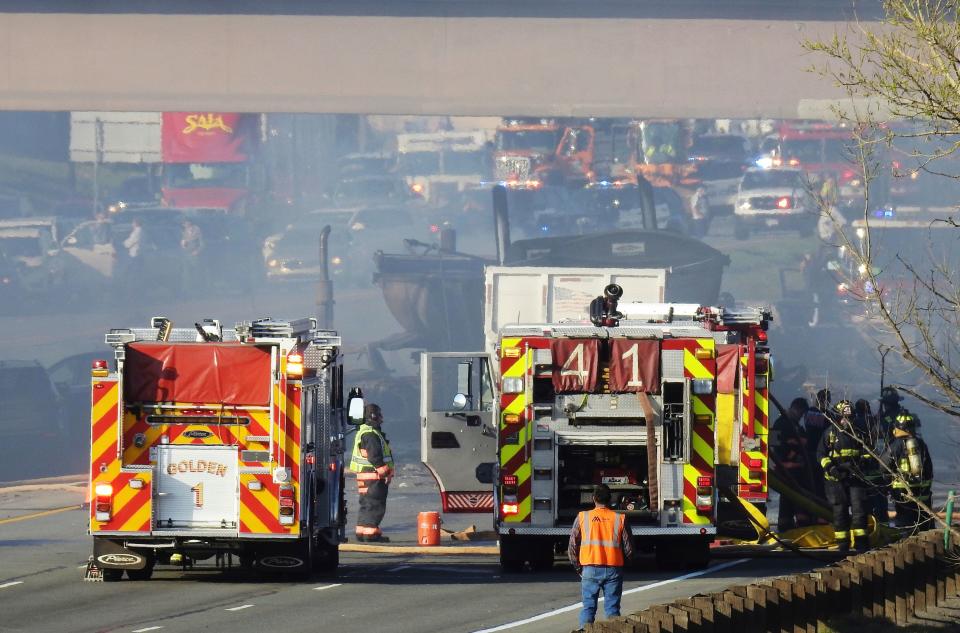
662	402
213	443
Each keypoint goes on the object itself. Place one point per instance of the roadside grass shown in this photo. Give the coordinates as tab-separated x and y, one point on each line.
755	265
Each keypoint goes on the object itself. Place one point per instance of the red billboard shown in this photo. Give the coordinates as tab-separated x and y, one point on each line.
207	137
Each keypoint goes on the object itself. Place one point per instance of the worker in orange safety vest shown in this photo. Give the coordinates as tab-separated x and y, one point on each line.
600	545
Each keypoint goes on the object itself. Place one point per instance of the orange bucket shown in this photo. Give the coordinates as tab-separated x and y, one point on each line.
428	528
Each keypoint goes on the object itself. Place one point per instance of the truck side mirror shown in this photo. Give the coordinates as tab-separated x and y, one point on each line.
355	406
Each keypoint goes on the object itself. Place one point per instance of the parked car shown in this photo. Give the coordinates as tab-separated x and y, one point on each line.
774	199
11	287
293	254
32	245
33	433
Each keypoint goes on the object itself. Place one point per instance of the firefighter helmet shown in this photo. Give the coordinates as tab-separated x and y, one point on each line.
905	421
843	409
890	395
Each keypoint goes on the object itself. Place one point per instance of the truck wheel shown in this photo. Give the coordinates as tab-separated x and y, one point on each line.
669	557
326	558
112	575
511	554
140	574
541	556
697	554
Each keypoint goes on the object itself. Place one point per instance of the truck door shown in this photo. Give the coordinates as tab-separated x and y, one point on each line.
458	440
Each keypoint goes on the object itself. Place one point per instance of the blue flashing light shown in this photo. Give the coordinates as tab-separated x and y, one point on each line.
545	229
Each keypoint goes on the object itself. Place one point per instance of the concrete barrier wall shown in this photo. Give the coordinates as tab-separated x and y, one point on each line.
892	583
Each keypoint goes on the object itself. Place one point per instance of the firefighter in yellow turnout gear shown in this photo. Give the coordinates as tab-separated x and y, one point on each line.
844	460
908	456
372	461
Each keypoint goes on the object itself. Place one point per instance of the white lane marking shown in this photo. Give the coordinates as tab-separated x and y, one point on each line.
242	606
11	584
399	567
339	584
144	630
579	605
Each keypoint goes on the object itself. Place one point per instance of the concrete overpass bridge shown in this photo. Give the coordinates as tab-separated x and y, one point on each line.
689	58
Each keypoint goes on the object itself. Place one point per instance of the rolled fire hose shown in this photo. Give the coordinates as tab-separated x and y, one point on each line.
652	484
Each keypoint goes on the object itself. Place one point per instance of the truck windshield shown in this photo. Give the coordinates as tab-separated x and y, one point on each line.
198	175
542	141
770	179
660	142
20	246
463	163
419	163
805	151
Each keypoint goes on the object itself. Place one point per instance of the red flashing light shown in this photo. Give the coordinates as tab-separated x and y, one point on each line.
434	228
753	463
99	364
762	336
509	508
786	202
333	466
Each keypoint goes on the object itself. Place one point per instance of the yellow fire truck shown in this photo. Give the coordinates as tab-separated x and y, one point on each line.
211	442
661	402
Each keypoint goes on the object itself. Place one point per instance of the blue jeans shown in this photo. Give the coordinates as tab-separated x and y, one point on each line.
594	580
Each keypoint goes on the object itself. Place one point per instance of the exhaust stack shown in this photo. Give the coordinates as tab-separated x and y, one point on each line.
501	222
325	284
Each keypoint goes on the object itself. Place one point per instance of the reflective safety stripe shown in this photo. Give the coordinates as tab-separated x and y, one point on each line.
368	476
601	532
846	452
840	534
918	486
859	532
359	459
825	462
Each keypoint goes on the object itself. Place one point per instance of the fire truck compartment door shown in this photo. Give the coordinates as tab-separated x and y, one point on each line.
594	438
196	488
458	442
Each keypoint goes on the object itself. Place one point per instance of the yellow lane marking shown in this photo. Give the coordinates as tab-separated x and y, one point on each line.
37	515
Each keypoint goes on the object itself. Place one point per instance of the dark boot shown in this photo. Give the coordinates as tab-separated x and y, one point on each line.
843	547
861	544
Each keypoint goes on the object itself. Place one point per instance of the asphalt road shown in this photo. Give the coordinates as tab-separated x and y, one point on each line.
41	587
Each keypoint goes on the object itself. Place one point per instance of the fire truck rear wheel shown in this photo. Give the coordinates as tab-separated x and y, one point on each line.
112	575
140	574
327	560
511	554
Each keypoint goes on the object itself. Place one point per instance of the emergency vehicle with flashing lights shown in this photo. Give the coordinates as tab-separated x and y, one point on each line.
522	148
212	442
440	165
820	149
664	403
